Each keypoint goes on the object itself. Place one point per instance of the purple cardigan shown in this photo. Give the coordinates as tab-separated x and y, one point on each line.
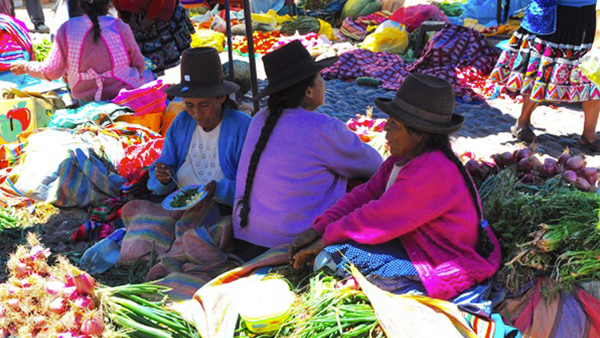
429	208
301	173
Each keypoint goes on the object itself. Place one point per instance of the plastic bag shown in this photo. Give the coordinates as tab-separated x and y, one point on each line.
326	30
208	38
412	17
590	66
218	24
392	40
483	11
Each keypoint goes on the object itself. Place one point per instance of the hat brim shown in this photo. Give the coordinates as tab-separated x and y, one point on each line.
201	92
389	108
291	80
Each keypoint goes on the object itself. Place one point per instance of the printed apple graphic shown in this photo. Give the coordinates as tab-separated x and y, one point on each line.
10	129
20	113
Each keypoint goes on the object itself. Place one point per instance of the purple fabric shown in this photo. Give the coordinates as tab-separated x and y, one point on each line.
301	173
454	47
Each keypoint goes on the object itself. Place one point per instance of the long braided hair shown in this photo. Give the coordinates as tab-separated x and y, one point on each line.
290	97
441	142
93	10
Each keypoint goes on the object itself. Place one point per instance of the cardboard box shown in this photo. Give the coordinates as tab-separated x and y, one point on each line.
25	113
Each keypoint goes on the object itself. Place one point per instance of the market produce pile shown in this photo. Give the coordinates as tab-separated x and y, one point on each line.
326	307
60	300
545	217
42	50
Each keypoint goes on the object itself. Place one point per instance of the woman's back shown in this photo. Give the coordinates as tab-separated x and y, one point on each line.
301	173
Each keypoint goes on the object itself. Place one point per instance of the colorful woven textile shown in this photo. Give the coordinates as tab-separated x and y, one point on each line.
11	153
541	315
389	68
546	71
139	156
188	243
15	43
147	99
451	49
357	29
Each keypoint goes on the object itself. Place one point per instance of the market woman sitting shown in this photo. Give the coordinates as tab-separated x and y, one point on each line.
97	53
202	147
295	161
416	225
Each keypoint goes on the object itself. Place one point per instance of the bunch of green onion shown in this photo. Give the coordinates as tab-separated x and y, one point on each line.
143	318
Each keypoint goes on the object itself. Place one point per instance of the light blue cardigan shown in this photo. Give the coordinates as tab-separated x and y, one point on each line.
234	128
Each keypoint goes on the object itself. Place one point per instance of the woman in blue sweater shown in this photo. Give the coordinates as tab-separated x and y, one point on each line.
202	147
542	63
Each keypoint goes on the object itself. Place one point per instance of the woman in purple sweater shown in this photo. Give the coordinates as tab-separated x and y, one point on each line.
416	225
295	161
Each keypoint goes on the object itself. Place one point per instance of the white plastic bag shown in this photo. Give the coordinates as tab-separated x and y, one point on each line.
590	65
218	24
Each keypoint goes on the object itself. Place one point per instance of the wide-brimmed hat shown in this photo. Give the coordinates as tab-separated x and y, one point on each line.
289	65
202	75
425	103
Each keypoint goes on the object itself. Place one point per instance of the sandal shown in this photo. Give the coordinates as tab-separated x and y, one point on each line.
591	146
523	134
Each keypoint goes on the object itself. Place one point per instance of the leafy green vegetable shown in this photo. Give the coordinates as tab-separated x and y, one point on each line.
187	197
42	50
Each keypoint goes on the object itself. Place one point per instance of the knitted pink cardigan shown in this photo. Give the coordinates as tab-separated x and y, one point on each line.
430	209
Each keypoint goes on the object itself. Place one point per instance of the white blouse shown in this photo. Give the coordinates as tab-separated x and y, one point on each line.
201	164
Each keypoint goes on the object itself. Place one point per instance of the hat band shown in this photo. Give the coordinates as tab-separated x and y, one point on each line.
421	113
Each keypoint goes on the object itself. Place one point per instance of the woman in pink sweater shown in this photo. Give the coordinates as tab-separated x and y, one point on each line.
97	54
417	225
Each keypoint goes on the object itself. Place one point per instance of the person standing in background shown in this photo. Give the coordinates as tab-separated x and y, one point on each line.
161	28
36	15
542	63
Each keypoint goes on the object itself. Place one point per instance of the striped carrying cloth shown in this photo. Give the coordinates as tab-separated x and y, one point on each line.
15	43
357	29
189	244
147	99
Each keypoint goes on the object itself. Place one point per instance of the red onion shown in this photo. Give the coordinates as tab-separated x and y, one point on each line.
590	175
582	184
523	153
562	159
508	158
528	178
549	168
93	326
570	176
498	160
526	164
575	163
473	168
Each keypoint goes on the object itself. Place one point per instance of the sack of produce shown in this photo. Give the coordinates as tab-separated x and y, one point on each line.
303	25
393	40
208	38
357	8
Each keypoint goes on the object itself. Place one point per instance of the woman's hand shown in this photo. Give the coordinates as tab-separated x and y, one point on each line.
18	68
307	255
163	173
210	189
302	240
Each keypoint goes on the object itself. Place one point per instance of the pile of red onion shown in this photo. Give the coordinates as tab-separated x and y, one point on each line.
531	170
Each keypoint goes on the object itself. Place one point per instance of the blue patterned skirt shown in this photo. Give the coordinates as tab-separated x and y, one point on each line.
386	265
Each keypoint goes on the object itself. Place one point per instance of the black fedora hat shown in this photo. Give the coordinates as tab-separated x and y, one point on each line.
289	65
425	103
202	75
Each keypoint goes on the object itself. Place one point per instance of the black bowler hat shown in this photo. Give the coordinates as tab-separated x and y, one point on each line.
202	75
289	65
425	103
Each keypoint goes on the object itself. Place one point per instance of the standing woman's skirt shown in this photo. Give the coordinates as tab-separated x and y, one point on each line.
164	42
546	67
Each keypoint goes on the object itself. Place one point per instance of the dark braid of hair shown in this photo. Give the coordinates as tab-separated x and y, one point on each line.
93	10
441	142
291	97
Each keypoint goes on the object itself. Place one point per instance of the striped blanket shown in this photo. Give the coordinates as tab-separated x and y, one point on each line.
15	43
573	315
189	244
